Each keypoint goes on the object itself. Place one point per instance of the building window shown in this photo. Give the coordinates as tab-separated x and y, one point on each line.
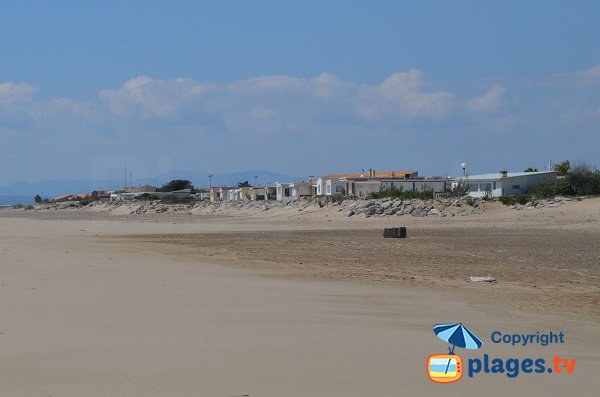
473	187
494	185
328	189
486	187
516	187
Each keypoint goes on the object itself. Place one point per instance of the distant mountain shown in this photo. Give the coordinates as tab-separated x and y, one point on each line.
53	188
56	187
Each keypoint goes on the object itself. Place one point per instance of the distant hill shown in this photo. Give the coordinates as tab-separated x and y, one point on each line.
53	188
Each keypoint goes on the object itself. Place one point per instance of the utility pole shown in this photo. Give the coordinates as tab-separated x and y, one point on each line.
255	178
125	176
210	181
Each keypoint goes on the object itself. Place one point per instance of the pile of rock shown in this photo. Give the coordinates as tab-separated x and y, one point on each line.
261	205
539	204
155	207
415	207
441	207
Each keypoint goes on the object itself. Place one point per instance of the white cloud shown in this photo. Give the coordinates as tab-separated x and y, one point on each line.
262	114
146	97
325	86
267	84
11	93
64	111
490	102
400	96
288	116
592	73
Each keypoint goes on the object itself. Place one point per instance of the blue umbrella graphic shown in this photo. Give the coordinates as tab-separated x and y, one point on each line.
457	335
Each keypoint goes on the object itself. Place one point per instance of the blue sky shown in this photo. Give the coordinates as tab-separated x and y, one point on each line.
300	87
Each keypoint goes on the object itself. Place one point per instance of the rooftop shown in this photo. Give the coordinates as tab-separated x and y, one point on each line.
374	174
496	175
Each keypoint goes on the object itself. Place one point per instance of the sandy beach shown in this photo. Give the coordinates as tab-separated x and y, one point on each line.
290	303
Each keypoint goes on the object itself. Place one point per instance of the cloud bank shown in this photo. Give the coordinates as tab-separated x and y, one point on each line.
284	119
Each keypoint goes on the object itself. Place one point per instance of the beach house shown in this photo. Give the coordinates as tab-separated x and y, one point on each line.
363	187
293	191
504	183
221	193
359	185
268	192
239	194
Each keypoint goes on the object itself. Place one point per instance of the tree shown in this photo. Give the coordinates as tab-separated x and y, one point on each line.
562	168
176	184
37	199
244	184
531	169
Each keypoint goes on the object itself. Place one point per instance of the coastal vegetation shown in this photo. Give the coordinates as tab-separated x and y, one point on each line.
39	200
513	200
579	180
402	194
176	184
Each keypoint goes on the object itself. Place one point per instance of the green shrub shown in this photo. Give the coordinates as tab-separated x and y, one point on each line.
173	199
578	180
85	201
401	194
17	206
574	184
29	207
461	189
147	197
512	200
176	184
338	198
584	182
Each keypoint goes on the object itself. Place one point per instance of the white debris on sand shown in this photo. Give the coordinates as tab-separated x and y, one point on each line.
487	279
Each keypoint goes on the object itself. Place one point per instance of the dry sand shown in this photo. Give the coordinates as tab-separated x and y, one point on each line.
282	304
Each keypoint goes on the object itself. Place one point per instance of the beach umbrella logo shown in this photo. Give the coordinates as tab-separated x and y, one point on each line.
447	368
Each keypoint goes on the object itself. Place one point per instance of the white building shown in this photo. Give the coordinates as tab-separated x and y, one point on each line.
176	194
505	183
293	191
221	193
239	194
366	186
204	194
263	193
357	184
